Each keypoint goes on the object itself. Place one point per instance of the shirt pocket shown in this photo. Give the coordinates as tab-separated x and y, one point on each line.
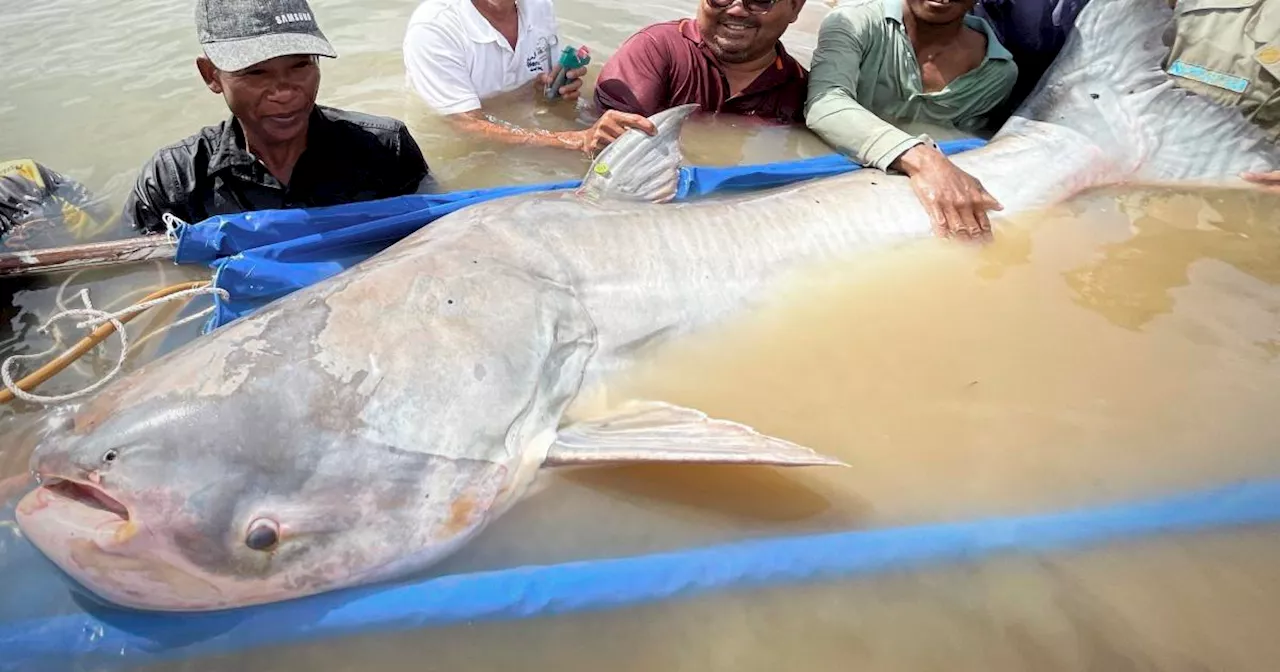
1212	54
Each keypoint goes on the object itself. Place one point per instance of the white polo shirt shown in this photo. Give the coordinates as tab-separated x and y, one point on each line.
454	57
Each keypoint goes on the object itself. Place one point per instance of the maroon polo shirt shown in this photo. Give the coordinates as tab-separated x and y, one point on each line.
667	64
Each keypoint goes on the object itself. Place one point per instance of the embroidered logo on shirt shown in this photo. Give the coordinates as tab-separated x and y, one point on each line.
540	59
1203	75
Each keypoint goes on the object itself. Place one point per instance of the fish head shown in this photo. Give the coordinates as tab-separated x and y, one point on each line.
148	510
277	473
161	508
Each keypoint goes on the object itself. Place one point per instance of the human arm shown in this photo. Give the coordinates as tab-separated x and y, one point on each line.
159	189
954	200
604	131
436	63
832	110
634	80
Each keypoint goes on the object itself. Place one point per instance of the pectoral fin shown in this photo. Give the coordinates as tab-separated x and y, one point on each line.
653	431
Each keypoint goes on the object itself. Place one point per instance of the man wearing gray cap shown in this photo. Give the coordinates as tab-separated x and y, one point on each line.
279	149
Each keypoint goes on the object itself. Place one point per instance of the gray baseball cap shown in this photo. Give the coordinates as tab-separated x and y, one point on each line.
236	34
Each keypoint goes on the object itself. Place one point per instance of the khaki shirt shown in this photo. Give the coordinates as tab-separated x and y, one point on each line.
865	73
1229	51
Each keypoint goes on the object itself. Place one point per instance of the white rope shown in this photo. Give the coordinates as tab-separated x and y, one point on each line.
191	318
79	366
171	225
94	319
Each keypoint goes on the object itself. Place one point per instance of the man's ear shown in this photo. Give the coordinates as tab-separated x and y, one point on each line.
798	5
209	73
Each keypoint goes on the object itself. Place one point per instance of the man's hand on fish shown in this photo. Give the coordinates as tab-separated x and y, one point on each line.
956	201
573	82
1269	180
611	125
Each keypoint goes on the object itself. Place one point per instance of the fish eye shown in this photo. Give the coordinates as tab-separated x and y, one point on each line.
110	456
263	535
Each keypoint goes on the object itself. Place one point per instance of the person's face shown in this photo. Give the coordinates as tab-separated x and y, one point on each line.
939	11
272	99
740	31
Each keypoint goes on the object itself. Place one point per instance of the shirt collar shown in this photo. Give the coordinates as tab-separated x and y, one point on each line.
232	150
478	28
893	11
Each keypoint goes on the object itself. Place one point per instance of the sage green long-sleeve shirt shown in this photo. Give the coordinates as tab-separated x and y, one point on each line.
864	72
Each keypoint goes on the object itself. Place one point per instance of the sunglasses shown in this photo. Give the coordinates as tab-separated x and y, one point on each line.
752	6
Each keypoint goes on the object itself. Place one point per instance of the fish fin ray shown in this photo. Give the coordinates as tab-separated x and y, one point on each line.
640	167
653	431
1109	83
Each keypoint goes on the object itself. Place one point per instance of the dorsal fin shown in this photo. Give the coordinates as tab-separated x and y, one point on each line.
640	167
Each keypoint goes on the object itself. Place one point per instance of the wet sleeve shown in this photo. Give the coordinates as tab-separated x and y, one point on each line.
832	110
436	63
159	189
634	79
413	175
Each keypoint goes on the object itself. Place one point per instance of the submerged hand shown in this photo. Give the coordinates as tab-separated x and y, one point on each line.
611	125
957	202
1269	180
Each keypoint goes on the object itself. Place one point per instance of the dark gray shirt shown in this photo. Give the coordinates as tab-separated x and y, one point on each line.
1034	31
349	157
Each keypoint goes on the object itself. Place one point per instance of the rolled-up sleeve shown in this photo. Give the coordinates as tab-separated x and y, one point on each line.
832	110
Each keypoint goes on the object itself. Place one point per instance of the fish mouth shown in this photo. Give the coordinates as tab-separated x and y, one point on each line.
85	494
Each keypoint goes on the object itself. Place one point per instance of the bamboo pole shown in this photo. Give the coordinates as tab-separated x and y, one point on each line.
92	255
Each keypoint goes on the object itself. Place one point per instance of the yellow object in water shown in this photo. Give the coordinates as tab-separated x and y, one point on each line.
31	194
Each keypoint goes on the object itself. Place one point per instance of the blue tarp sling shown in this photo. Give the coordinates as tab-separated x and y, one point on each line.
115	639
260	256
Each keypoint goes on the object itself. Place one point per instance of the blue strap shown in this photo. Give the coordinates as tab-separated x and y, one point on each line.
703	181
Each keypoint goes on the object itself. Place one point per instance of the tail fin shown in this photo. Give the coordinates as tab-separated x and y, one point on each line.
1108	83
